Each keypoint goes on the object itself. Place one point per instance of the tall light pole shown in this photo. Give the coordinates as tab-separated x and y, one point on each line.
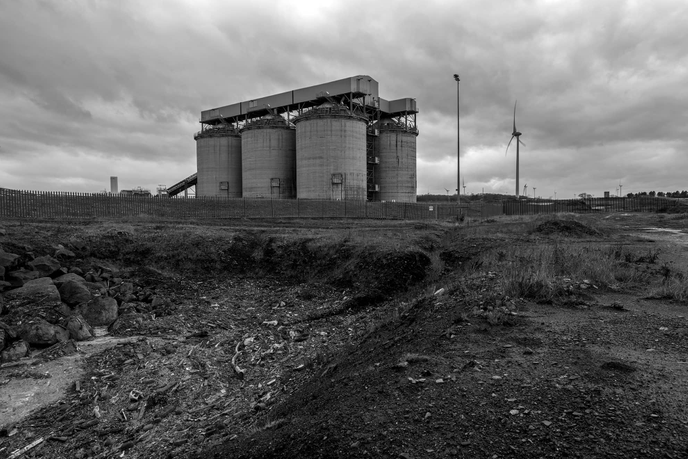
458	139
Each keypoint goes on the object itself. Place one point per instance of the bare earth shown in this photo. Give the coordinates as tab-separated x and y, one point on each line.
296	339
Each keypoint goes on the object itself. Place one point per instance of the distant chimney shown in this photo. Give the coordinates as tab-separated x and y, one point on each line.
113	185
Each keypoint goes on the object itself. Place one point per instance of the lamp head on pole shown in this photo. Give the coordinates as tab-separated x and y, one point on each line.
456	77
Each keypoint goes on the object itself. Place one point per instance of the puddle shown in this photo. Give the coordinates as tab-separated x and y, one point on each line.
20	396
673	236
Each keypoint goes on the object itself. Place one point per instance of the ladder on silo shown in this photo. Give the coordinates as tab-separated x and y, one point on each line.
371	164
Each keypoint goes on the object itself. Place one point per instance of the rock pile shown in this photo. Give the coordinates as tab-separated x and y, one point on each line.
49	299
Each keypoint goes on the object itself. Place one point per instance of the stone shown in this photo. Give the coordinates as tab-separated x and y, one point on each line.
76	270
71	276
46	265
74	292
10	333
4	339
61	252
7	259
16	351
41	333
60	272
97	288
2	272
100	311
38	292
21	276
79	329
106	268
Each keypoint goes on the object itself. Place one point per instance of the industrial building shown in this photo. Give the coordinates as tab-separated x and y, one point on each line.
336	141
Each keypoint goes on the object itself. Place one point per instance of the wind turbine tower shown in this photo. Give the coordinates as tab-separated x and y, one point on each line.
516	134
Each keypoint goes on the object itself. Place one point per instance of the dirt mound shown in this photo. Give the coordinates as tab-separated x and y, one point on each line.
570	228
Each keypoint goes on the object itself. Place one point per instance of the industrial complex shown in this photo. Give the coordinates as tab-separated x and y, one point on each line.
334	141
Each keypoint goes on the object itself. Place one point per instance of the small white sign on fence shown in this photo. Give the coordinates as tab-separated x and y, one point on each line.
431	208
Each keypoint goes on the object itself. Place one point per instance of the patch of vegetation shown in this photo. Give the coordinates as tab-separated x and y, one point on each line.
566	228
673	289
551	272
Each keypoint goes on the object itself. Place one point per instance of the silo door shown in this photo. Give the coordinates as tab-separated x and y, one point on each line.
274	187
337	187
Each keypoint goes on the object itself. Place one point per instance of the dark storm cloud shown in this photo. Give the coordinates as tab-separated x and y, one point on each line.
600	85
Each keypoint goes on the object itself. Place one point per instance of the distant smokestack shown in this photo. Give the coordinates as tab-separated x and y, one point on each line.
113	185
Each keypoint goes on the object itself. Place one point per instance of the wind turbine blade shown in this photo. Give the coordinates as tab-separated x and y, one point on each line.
515	115
507	147
519	141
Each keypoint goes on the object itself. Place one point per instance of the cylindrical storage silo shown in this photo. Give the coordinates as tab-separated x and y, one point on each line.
331	154
396	172
268	159
218	160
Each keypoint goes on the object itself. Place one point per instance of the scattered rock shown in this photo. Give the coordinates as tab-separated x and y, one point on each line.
76	270
79	329
46	265
7	259
70	276
16	351
38	332
64	253
38	293
100	311
74	292
21	276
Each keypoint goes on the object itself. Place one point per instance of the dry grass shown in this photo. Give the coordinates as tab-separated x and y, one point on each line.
544	272
673	289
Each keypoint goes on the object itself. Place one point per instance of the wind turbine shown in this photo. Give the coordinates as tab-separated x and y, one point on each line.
464	186
620	190
516	134
447	190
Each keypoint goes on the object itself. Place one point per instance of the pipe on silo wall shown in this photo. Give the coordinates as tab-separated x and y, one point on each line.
268	159
218	160
331	154
396	172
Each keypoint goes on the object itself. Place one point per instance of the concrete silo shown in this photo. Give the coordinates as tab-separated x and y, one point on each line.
331	154
268	158
218	158
396	171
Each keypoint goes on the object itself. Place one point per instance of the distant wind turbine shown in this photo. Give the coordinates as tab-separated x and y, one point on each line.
516	134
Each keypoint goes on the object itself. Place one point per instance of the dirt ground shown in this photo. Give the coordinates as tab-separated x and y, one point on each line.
331	339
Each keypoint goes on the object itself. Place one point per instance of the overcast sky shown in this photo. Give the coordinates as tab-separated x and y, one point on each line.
93	89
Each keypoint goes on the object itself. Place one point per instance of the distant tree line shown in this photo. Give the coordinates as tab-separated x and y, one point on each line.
660	194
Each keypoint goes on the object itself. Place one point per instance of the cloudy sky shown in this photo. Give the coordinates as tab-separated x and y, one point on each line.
93	89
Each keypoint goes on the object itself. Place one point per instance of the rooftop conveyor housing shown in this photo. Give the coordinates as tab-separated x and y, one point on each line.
360	90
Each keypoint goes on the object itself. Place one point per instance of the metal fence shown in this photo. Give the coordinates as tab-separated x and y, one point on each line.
76	206
640	204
